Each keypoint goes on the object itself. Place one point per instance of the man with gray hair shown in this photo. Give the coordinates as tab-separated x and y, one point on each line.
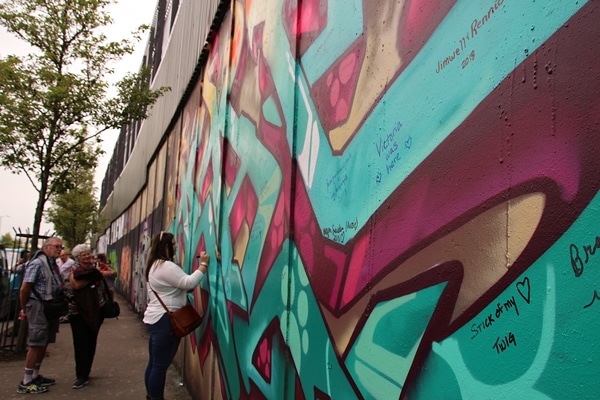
41	281
65	264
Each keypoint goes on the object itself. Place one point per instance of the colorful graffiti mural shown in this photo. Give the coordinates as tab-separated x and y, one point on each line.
402	197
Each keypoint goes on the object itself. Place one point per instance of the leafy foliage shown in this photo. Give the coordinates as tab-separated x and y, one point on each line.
74	212
56	102
7	240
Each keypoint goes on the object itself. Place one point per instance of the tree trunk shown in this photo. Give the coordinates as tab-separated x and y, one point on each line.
37	221
39	209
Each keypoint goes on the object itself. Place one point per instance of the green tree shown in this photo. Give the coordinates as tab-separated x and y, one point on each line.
57	101
7	240
74	212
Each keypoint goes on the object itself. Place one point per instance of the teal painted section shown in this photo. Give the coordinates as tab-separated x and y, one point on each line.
383	353
550	329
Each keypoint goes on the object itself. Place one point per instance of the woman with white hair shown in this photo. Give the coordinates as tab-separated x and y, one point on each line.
85	316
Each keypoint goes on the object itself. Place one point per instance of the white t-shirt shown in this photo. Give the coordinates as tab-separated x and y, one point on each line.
172	284
66	268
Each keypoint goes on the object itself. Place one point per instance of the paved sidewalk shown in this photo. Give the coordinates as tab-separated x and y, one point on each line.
117	373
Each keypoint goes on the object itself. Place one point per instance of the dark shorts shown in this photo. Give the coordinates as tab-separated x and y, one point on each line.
41	331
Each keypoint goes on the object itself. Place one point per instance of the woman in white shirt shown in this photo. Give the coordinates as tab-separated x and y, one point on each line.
172	284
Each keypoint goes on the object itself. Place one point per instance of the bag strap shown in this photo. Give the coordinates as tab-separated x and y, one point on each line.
107	291
49	276
159	299
156	294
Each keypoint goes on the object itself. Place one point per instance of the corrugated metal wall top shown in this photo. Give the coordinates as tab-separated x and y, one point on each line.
188	34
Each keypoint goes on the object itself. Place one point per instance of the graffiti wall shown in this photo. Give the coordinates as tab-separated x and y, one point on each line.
400	199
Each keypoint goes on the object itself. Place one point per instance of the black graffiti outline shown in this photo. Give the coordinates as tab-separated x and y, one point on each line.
596	297
527	285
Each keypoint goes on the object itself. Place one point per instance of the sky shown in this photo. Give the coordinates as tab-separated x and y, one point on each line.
18	198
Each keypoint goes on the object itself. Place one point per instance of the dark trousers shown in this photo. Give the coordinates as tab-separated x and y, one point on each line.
162	347
84	344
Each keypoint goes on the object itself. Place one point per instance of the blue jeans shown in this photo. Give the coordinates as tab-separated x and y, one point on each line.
162	348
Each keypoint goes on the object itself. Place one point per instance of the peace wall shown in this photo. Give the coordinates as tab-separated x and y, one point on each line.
400	198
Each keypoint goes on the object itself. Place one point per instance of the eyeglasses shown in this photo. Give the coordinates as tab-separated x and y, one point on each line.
58	246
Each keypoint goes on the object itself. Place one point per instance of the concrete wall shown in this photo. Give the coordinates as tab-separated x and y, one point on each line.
403	195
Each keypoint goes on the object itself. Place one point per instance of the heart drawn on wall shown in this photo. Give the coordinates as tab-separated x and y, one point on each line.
524	289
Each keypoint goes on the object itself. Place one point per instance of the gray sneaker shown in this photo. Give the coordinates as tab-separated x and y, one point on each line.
79	383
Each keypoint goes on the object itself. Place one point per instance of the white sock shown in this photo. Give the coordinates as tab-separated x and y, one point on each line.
28	376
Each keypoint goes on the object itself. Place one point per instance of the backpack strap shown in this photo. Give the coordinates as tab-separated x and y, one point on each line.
47	271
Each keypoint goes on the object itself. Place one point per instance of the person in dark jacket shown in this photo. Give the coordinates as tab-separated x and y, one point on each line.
85	316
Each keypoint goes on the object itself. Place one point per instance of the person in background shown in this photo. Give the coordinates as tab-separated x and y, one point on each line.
17	276
41	281
65	264
85	317
172	284
14	285
19	267
108	273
